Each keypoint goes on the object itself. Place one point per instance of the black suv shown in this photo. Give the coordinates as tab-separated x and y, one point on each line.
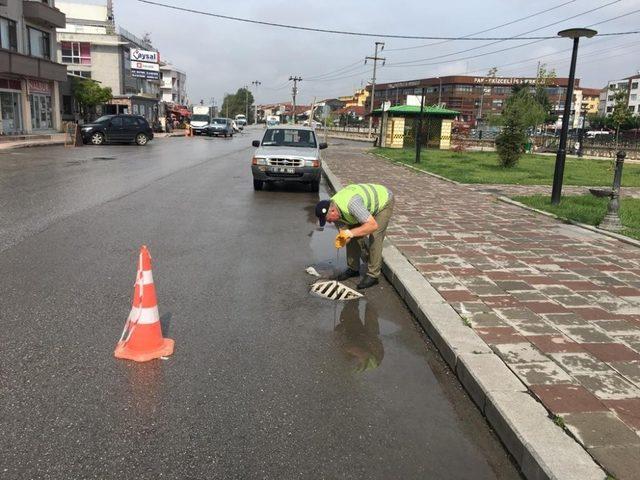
117	128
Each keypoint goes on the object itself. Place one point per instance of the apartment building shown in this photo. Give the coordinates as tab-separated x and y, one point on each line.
173	86
631	85
93	46
29	72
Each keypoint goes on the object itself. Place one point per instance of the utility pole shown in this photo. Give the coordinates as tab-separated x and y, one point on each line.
419	128
255	83
375	59
294	92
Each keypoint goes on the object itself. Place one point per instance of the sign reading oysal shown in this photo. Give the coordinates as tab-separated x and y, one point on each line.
145	56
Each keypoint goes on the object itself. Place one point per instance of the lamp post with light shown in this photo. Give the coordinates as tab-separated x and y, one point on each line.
575	34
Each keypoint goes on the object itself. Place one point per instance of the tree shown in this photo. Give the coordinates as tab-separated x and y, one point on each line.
544	79
89	94
522	111
621	114
234	104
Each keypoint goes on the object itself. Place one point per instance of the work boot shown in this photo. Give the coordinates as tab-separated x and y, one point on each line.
367	282
348	273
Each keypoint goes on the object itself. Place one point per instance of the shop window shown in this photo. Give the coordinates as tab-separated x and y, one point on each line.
39	43
76	52
8	34
67	104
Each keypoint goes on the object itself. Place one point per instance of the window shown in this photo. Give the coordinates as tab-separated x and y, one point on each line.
8	34
609	109
130	122
634	85
76	52
633	97
632	108
501	90
67	104
116	122
39	45
464	89
496	103
80	73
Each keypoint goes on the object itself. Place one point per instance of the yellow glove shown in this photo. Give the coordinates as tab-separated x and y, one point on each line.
343	238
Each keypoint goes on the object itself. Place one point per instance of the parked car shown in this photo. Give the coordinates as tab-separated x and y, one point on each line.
116	129
220	126
313	123
287	154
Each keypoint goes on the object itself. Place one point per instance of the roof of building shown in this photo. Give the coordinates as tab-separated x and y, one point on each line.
413	110
356	110
593	92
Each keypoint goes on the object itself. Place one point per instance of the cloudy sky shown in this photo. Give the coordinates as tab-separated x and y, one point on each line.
221	55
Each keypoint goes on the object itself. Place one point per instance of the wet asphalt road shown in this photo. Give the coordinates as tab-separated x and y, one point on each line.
267	380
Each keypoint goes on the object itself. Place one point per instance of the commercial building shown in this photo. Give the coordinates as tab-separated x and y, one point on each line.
92	46
631	85
474	98
173	86
29	73
358	99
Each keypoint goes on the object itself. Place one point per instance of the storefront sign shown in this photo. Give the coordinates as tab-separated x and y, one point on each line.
39	86
145	56
150	67
149	75
503	80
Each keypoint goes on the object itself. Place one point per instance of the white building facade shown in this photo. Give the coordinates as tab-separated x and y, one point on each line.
174	84
92	46
631	85
29	73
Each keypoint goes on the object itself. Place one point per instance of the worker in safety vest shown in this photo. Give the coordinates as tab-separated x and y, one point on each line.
361	211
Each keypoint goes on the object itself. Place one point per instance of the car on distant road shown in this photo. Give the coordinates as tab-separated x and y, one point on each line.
220	126
313	123
241	121
287	154
117	129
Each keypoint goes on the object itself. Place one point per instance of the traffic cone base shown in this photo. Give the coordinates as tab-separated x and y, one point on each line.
125	351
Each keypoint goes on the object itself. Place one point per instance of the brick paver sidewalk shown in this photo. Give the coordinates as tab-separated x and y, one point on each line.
515	190
559	304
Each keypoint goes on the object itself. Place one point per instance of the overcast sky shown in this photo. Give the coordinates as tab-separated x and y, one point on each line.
221	55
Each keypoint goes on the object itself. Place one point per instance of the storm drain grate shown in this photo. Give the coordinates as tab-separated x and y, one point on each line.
334	290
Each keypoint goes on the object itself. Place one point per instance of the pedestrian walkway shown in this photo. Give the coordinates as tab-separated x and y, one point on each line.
559	304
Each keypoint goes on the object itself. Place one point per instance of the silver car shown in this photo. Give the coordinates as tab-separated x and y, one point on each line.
287	154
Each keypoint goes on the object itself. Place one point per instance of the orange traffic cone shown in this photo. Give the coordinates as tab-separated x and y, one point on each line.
141	339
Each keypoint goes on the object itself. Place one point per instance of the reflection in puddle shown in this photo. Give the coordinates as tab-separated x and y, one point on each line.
360	338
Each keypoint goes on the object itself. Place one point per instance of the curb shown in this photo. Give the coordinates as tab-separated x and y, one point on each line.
540	448
29	145
502	198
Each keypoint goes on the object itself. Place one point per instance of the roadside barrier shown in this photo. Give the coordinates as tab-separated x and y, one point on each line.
141	339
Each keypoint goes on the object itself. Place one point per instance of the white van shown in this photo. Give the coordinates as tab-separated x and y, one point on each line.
273	120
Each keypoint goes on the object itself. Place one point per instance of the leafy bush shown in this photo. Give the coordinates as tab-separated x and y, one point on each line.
509	145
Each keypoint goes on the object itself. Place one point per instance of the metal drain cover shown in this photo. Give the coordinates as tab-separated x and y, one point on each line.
334	290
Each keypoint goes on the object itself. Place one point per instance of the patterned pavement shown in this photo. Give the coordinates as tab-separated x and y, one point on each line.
559	304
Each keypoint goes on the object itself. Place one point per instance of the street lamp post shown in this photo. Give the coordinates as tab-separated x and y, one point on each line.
575	34
255	83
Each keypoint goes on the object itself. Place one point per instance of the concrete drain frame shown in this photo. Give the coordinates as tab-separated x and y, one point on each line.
334	290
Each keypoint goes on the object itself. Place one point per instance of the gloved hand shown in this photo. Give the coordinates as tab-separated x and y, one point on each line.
343	238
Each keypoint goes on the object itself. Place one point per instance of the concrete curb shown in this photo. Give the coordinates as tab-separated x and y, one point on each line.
541	449
510	201
29	145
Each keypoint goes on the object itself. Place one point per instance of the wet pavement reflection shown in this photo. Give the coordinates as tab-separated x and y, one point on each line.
359	334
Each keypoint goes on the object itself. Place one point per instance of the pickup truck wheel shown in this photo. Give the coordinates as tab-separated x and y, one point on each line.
258	184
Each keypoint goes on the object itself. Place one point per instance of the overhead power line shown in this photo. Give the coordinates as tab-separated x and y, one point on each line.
336	32
520	35
527	17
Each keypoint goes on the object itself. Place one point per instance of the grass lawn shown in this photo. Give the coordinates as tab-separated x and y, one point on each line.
589	209
482	167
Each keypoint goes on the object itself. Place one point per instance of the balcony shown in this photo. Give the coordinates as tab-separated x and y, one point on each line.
42	14
28	66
